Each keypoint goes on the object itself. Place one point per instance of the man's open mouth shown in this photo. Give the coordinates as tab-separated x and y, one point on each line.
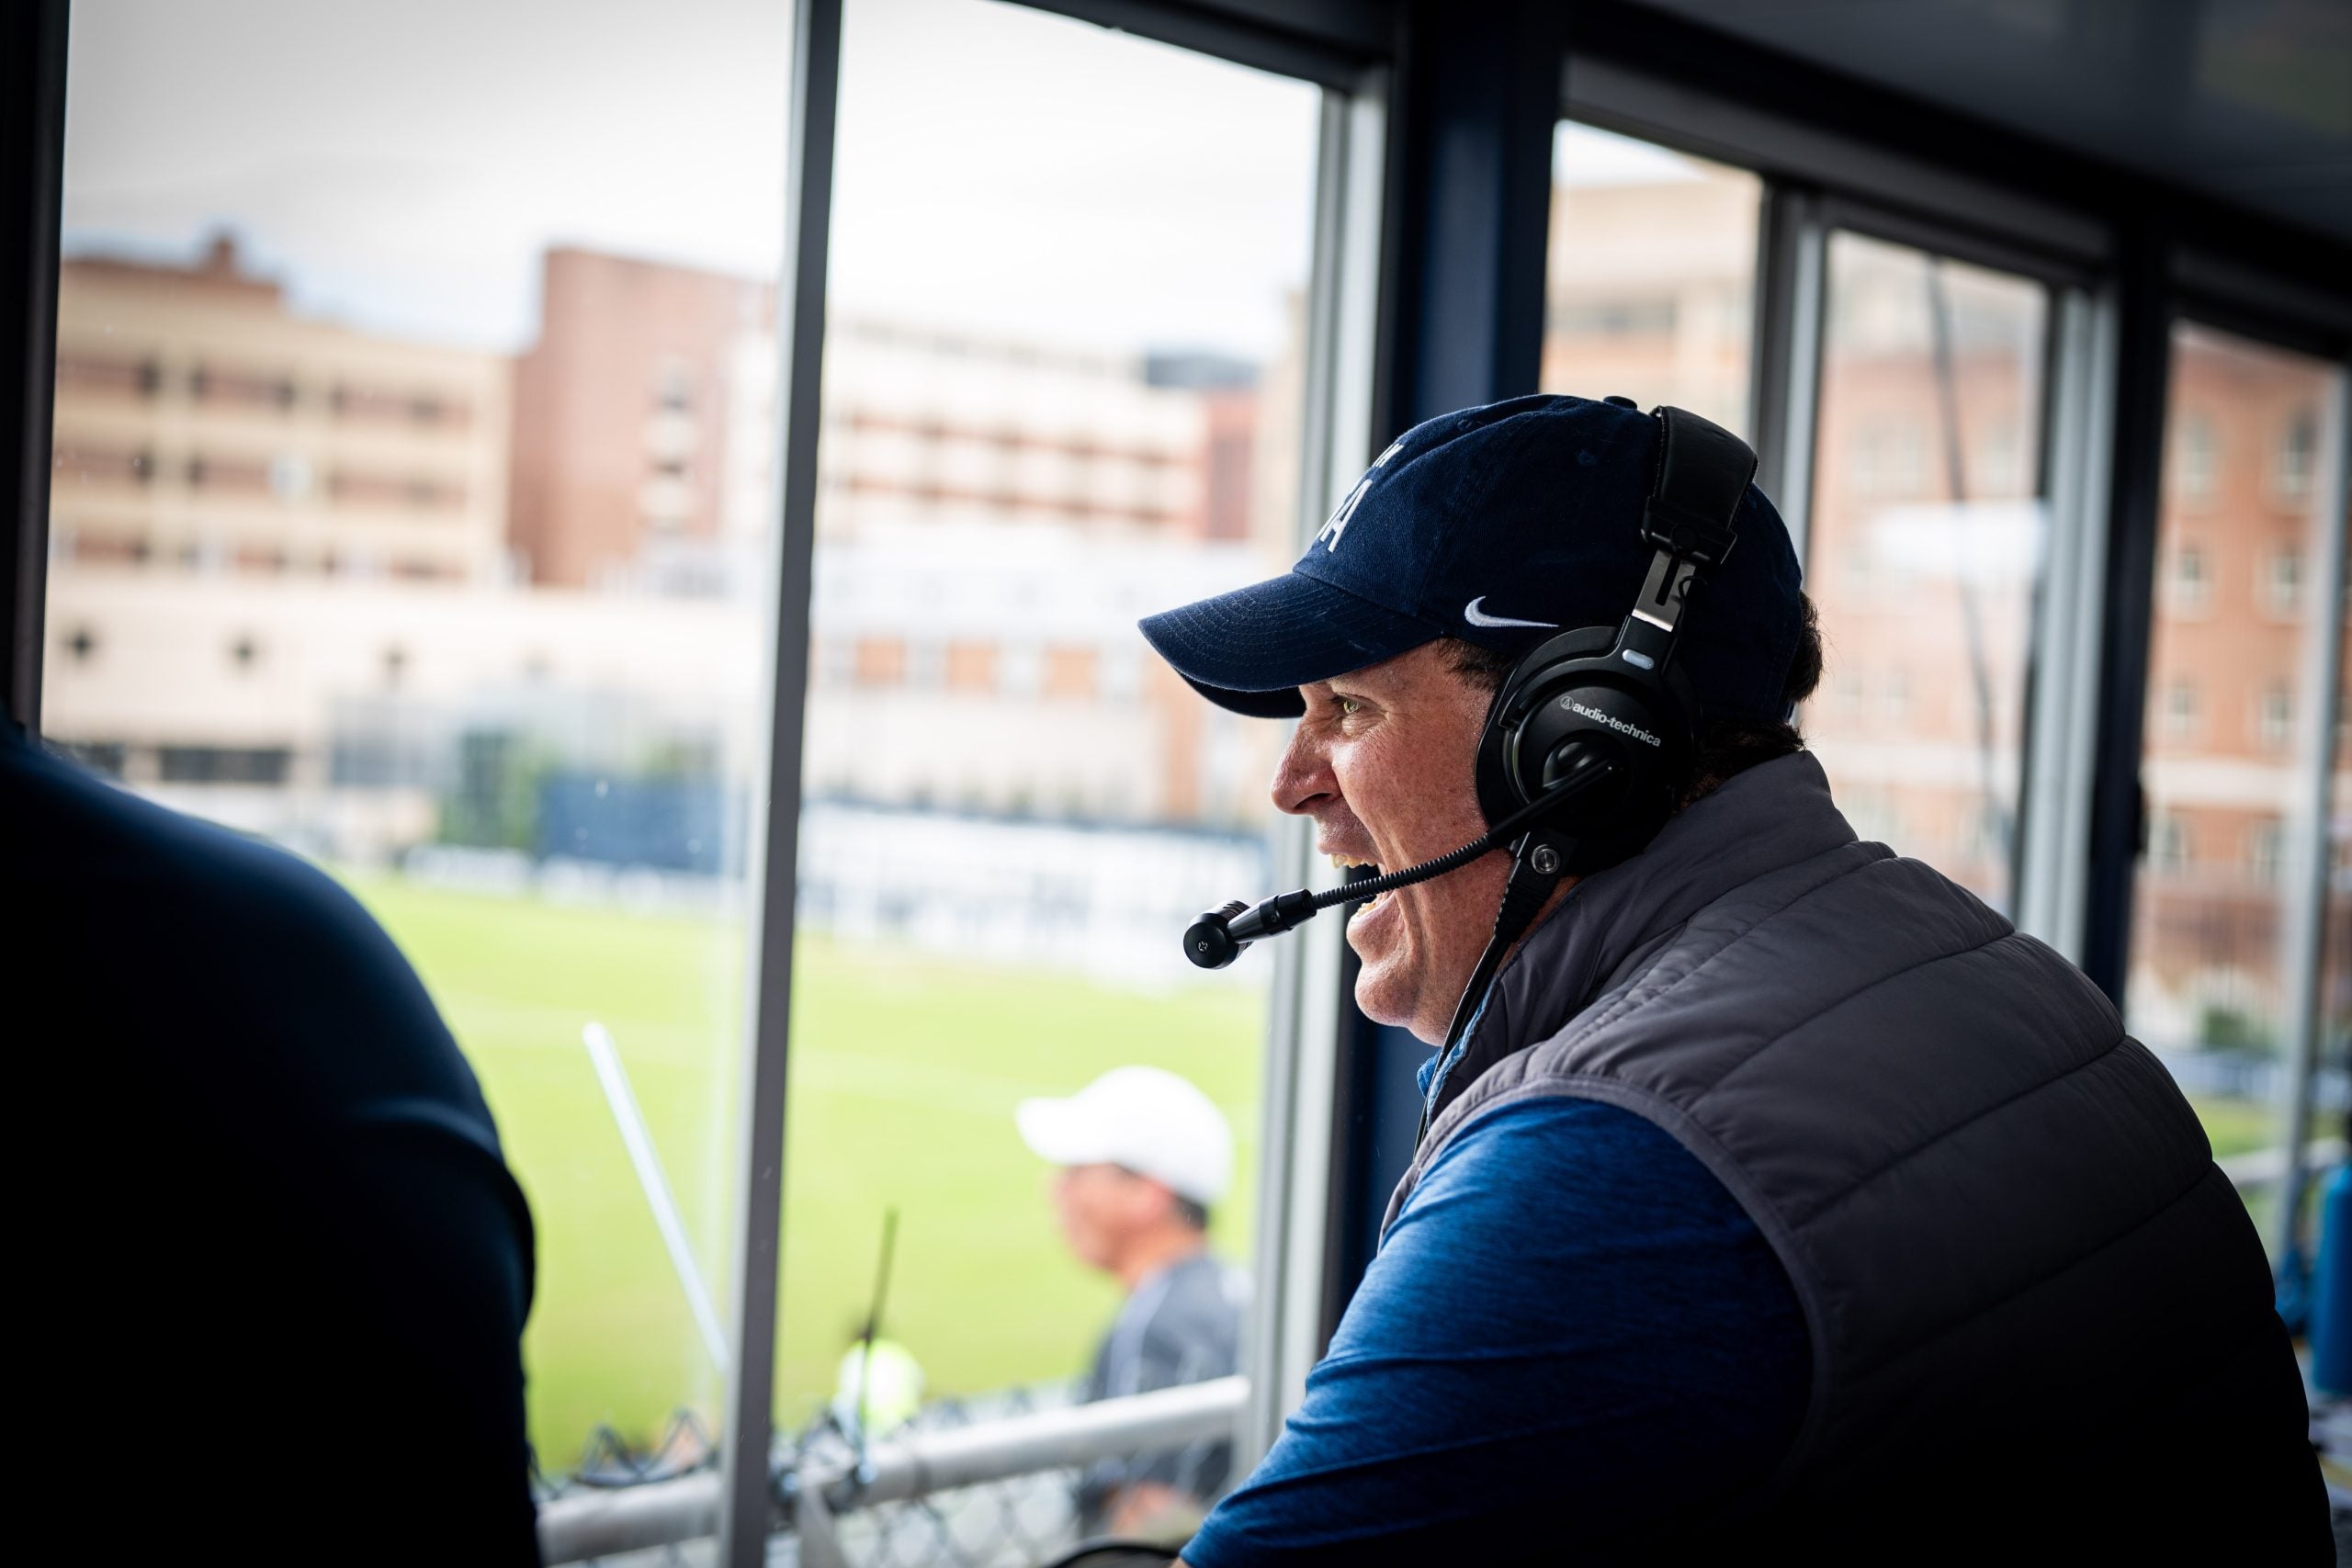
1349	862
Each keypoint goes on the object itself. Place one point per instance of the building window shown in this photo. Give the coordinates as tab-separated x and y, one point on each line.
1996	464
1619	318
1122	674
2282	584
225	764
926	664
240	389
2265	852
2197	461
289	476
836	662
1023	671
2169	846
97	373
2297	455
2191	580
1894	696
971	666
881	661
1070	672
1890	459
2180	710
2274	717
104	465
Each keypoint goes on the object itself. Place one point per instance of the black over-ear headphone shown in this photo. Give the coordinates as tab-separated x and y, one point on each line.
1614	697
1590	738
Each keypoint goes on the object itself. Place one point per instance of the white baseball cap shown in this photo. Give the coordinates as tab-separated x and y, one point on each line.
1148	1120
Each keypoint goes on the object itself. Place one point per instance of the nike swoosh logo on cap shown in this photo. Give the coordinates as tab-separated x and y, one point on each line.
1477	617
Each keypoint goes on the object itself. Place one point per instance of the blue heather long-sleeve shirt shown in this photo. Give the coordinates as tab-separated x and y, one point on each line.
1572	1334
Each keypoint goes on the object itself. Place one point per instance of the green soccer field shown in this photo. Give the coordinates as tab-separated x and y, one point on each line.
905	1071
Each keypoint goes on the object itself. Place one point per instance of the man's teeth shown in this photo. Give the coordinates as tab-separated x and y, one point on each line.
1349	862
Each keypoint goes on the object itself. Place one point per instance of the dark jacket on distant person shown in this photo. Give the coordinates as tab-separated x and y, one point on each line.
280	1269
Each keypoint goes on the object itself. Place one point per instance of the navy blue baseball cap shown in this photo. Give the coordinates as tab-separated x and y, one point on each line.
1502	525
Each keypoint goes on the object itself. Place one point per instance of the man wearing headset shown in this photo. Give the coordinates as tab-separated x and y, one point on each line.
1777	1197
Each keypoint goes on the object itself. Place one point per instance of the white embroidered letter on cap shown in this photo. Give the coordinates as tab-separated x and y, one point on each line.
1329	534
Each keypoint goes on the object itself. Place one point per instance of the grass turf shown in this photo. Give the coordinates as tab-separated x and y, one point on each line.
905	1069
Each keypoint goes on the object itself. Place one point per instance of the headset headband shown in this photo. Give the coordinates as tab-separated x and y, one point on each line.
1692	518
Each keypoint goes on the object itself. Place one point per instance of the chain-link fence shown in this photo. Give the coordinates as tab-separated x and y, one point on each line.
1014	1521
1021	1521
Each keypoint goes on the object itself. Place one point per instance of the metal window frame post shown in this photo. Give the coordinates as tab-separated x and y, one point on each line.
2304	935
32	180
2142	380
748	1508
2063	683
1784	378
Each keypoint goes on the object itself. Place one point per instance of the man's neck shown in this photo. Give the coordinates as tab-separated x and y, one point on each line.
1151	1253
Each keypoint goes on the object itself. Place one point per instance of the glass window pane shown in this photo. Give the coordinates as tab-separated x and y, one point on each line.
1652	275
2230	725
402	515
1061	390
1926	534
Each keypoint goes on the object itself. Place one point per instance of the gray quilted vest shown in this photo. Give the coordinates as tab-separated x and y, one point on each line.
2027	1286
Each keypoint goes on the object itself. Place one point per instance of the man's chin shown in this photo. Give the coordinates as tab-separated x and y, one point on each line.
1385	997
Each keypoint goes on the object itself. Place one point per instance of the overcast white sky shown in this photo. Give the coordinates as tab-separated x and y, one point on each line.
403	164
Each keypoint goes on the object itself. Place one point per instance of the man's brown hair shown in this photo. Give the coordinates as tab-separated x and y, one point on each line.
1728	747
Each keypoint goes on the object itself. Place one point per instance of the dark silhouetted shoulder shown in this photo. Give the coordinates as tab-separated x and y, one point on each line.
289	1232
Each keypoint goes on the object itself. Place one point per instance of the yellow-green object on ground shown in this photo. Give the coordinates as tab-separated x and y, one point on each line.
893	1386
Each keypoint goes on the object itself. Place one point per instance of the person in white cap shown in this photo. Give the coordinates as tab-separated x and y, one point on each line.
1142	1156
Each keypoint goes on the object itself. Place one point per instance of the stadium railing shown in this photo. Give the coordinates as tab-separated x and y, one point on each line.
820	1493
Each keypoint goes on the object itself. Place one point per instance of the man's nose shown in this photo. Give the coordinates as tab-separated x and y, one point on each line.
1302	778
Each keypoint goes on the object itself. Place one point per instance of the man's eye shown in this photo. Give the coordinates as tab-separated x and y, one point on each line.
1348	705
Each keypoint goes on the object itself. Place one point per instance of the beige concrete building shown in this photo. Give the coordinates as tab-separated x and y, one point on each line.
203	426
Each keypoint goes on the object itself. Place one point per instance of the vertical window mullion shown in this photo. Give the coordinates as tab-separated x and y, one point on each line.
747	1506
2059	750
2307	839
1786	387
